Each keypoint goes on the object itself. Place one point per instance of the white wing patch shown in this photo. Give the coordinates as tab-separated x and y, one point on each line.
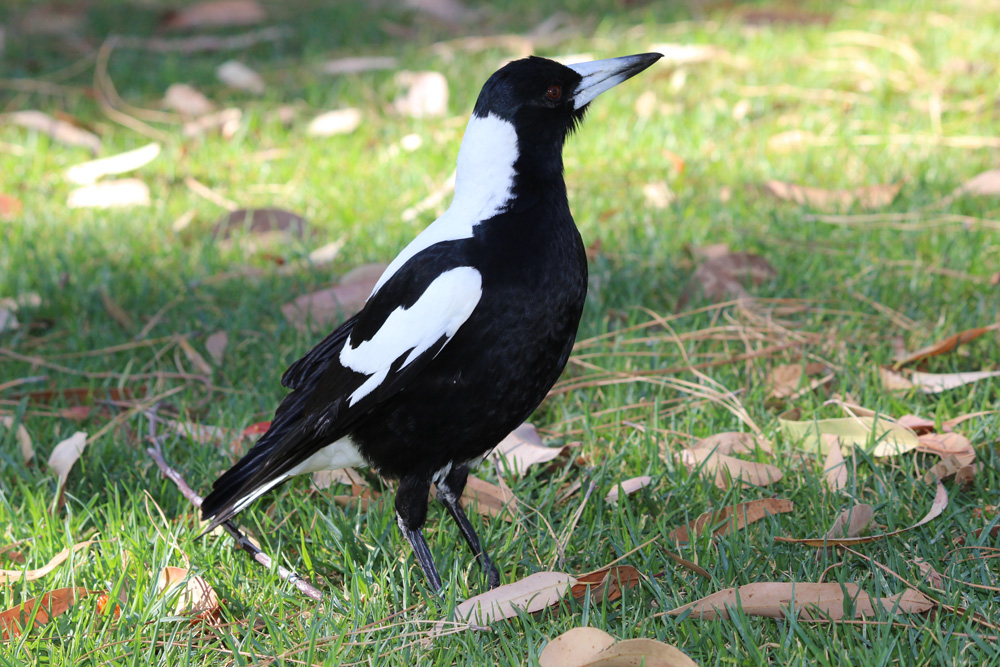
446	304
483	184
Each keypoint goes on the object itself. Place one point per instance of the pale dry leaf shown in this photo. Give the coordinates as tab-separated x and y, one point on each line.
785	379
918	424
60	130
574	647
339	121
531	594
216	346
851	522
873	196
8	577
727	277
834	468
227	122
89	173
937	507
658	195
110	194
261	226
8	320
187	100
358	64
488	499
326	307
931	576
523	448
195	597
326	253
628	487
20	434
235	74
985	184
734	442
944	346
194	356
890	438
934	383
965	475
324	479
215	14
948	444
730	519
805	600
425	94
645	652
15	620
723	468
65	455
948	466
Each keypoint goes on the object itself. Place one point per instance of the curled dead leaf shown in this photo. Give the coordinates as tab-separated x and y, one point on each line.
628	487
851	522
425	94
948	444
235	74
523	448
14	621
606	583
731	519
89	173
944	346
726	277
725	468
338	121
874	196
187	100
20	434
10	576
326	307
531	594
195	597
110	194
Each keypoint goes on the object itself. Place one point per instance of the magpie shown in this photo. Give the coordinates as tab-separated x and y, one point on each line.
467	329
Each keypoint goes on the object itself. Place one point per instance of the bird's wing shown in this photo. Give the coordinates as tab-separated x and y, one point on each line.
403	326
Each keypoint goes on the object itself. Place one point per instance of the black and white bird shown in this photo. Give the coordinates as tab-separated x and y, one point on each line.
467	329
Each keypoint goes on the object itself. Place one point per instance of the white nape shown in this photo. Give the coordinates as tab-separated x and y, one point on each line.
483	184
445	305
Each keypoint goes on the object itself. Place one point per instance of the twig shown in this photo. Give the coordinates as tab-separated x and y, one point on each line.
242	541
4	386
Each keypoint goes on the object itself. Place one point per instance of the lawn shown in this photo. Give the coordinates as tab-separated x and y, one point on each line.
725	296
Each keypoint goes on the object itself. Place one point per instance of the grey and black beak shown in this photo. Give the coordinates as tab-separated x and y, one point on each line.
601	75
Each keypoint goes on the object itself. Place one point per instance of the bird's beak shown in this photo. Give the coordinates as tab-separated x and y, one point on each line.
601	75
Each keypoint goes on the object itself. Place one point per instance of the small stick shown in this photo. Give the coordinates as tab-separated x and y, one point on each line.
242	541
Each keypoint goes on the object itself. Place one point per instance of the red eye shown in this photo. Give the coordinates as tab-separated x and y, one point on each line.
554	93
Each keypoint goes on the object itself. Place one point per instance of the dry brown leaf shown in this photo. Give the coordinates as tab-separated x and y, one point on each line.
89	173
731	519
488	499
948	444
784	380
215	14
227	122
734	442
358	64
937	507
21	435
13	621
851	522
216	345
323	479
196	597
873	196
235	74
918	424
933	383
523	448
686	564
425	96
628	487
945	346
60	130
203	433
725	468
606	583
590	647
110	194
531	594
187	100
985	184
327	307
574	647
950	466
65	455
774	599
834	468
11	576
338	121
726	277
263	226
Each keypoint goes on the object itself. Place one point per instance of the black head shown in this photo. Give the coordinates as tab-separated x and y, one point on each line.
545	100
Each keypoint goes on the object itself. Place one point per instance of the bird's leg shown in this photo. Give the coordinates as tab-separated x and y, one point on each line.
411	512
449	491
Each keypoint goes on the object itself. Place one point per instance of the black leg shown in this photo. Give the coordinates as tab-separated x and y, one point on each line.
411	512
449	491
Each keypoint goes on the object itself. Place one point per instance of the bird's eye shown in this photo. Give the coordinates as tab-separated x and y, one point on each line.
554	93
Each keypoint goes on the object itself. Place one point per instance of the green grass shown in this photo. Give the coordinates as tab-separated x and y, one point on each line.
933	277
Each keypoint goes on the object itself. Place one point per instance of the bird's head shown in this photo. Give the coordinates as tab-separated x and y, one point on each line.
545	100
